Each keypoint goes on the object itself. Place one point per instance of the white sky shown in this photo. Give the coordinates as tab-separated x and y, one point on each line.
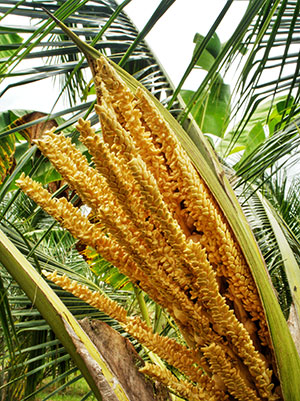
171	40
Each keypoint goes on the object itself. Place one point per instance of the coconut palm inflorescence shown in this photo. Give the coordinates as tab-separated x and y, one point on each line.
160	225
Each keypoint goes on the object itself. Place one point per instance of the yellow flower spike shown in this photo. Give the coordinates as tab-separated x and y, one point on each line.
70	163
129	118
117	176
226	324
106	130
181	387
93	190
120	97
63	145
122	143
128	195
168	347
202	215
224	369
154	202
95	299
80	227
177	355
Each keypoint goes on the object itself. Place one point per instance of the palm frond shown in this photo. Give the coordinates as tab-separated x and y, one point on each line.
272	66
30	352
275	151
283	194
264	234
105	26
271	211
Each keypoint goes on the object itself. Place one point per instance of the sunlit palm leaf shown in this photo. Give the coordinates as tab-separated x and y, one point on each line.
279	247
39	353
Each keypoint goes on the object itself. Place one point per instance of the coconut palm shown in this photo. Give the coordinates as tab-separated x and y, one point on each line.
46	246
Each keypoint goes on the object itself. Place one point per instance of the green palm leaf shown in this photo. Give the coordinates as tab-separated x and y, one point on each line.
119	33
45	299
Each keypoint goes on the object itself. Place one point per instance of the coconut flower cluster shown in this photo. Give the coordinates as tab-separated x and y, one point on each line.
158	223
